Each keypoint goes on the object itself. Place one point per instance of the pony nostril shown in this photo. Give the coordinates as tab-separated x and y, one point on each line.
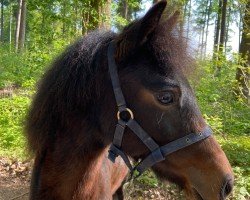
227	187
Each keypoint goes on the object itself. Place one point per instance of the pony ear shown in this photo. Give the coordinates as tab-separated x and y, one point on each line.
139	31
150	21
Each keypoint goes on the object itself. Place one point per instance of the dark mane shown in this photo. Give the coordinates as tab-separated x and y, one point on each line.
66	90
171	47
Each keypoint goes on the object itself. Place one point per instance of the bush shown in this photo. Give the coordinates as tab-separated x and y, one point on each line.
12	68
237	149
24	69
228	116
12	115
215	94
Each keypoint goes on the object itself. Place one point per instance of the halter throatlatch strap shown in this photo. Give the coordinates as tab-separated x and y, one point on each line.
157	153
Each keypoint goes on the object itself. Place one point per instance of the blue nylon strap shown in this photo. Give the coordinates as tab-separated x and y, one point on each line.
114	152
186	141
115	149
119	131
120	100
144	137
153	158
171	147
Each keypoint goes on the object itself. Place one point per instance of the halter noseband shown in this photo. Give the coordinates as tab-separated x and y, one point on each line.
126	119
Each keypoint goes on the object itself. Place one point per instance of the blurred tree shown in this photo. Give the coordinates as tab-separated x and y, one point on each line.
223	25
243	74
22	26
3	18
96	14
53	21
1	33
217	31
18	22
125	11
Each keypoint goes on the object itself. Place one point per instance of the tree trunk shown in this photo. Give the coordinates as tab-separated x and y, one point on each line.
64	17
94	16
106	11
18	20
223	25
217	32
124	12
202	40
222	37
227	28
2	21
99	18
188	18
10	29
242	74
209	9
22	26
240	27
204	16
85	21
76	16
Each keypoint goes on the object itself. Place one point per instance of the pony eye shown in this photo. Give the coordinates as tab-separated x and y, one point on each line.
166	98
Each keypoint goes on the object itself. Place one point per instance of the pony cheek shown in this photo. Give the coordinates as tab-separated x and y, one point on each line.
132	146
167	170
170	128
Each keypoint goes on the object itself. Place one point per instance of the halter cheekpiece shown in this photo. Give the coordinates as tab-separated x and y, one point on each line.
125	119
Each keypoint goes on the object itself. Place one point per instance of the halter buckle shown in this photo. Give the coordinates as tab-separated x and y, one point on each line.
125	115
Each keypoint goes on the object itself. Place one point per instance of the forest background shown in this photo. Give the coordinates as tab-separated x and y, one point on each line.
33	32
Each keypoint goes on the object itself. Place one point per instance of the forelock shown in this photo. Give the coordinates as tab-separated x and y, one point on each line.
170	47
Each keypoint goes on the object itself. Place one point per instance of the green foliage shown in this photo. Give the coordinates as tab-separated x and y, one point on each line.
242	186
11	67
216	97
228	116
148	178
237	149
26	68
12	115
125	12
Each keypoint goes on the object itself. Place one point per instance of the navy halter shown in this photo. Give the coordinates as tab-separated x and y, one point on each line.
126	119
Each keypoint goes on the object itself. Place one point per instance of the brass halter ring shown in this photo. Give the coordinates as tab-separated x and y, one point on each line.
125	110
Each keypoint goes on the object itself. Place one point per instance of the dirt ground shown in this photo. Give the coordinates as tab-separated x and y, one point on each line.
15	180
